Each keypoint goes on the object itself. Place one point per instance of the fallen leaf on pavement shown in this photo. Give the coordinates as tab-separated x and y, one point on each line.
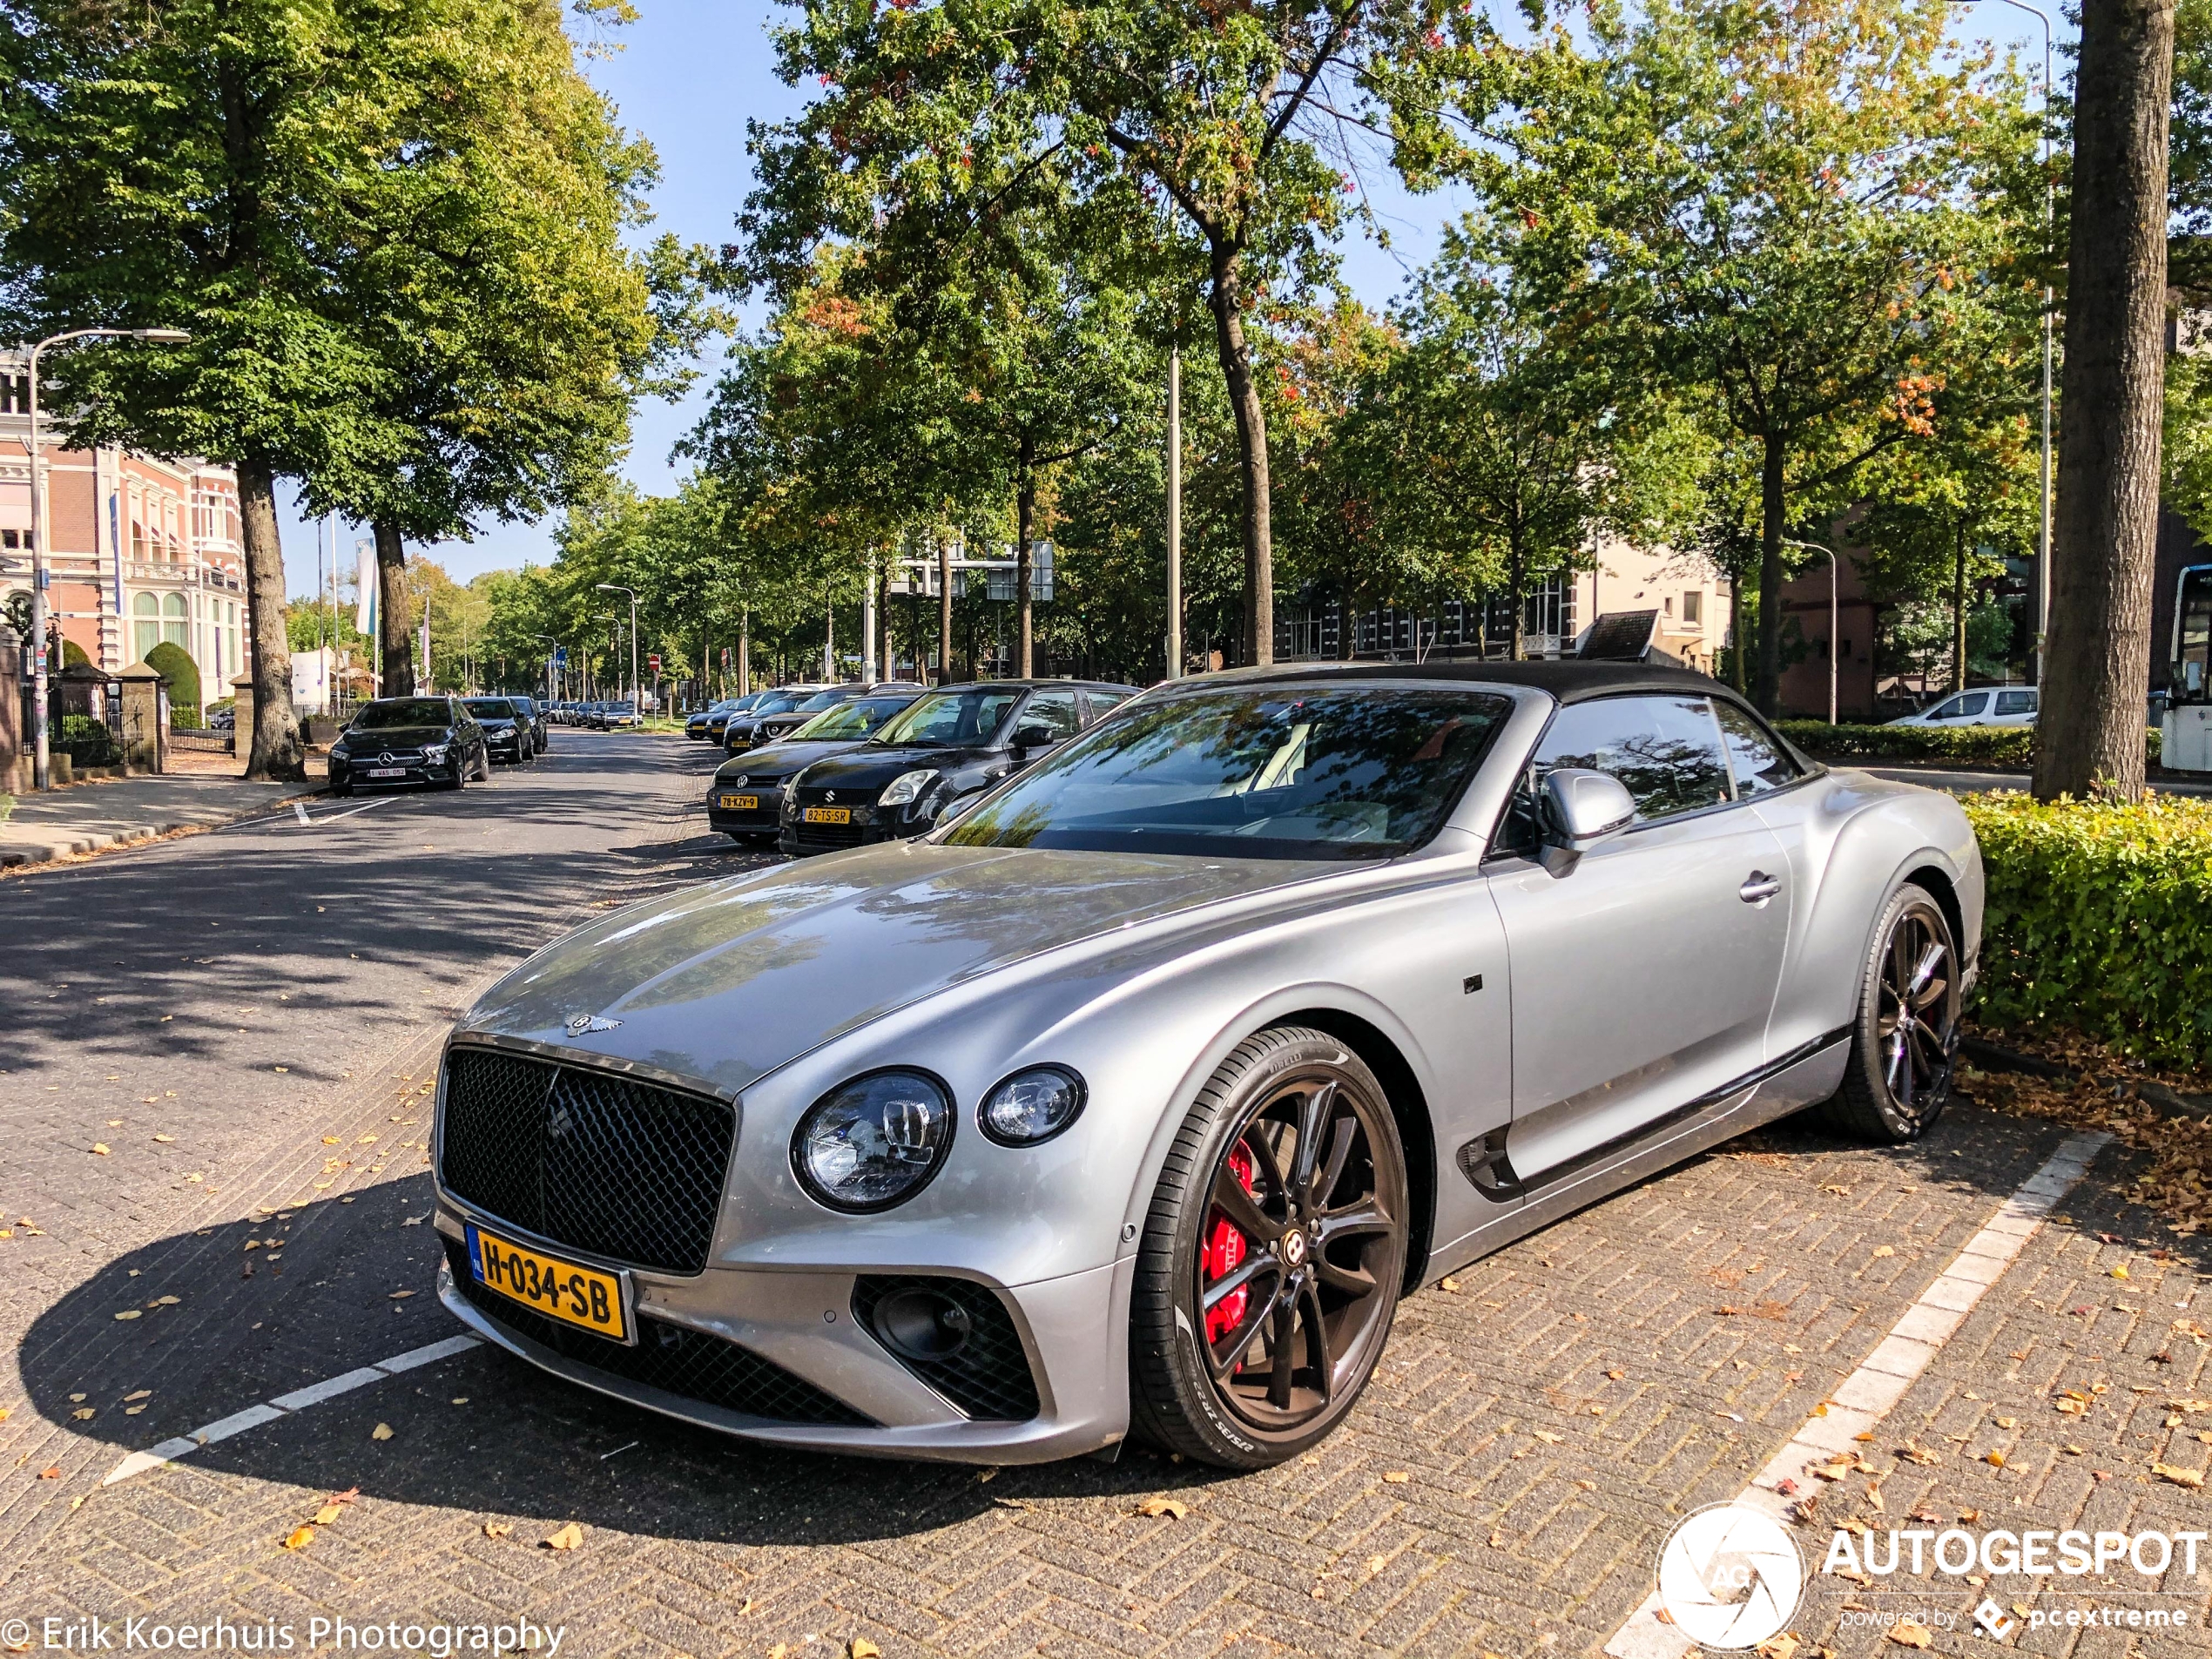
497	1528
164	1139
1883	1250
1782	1647
2008	1422
1906	1634
1448	1283
128	1313
400	1296
570	1537
1169	1507
1396	1477
83	1413
1995	1459
327	1514
99	1148
54	1473
2121	1272
1547	1437
300	1538
1616	1373
2192	1479
381	1431
861	1648
1912	1452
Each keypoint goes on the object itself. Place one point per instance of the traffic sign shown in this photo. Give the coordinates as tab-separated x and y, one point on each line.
560	656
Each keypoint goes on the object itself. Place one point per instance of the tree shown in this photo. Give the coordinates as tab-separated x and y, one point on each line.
1237	119
2104	533
200	165
1794	213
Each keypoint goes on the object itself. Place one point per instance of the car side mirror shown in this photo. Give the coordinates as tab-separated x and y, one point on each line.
1582	808
1029	738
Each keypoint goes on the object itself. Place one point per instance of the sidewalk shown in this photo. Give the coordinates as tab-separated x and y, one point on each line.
64	823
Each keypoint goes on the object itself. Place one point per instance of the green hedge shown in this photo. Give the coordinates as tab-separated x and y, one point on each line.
175	665
2001	745
2097	919
87	741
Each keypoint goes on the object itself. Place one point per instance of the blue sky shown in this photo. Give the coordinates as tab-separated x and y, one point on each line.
688	77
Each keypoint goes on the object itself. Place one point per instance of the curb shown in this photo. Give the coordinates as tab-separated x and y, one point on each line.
15	856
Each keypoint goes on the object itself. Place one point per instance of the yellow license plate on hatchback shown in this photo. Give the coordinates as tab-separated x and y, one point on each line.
585	1297
740	803
827	814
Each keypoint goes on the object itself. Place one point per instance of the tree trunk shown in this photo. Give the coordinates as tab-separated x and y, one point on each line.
396	643
275	757
2089	737
1737	645
1516	576
1251	445
1768	687
1025	513
1958	611
883	611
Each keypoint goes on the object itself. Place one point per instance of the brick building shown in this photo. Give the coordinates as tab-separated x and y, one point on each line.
141	550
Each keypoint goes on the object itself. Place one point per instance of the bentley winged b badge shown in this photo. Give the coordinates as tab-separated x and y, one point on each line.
581	1025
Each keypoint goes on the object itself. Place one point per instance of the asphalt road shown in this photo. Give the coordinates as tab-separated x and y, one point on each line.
247	1023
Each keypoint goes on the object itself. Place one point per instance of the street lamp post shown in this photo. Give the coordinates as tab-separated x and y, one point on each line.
552	695
617	587
1815	547
42	756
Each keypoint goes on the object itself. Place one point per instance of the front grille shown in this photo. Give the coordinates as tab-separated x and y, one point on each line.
989	1376
591	1159
828	837
688	1364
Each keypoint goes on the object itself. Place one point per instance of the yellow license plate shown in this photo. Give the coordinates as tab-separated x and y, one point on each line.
560	1289
827	814
740	803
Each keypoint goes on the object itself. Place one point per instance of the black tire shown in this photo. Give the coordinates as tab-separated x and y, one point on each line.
1192	1388
1907	1037
341	791
483	765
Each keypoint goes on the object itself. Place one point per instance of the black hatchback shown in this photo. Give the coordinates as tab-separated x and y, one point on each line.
934	760
746	798
433	740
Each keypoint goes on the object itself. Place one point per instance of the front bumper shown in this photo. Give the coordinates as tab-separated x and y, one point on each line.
1072	1330
759	821
415	773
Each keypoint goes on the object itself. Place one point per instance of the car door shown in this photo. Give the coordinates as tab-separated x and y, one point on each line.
1643	973
1046	720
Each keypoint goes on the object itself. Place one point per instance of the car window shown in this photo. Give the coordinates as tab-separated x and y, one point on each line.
1054	711
1666	751
491	708
1286	771
1103	702
950	719
403	712
1758	762
2015	702
1972	704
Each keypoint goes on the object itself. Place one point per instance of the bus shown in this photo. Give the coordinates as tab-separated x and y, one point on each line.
2186	732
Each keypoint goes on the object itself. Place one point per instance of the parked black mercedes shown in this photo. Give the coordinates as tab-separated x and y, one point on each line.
397	740
934	759
508	735
746	798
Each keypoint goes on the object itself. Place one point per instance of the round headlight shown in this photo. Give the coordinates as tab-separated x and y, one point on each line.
873	1141
1031	1106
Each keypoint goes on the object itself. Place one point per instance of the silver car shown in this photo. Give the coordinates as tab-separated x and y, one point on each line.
1134	1099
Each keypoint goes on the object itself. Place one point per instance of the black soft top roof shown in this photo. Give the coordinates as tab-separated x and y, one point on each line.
1568	681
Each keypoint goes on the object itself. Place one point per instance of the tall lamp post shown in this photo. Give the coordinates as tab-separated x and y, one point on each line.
617	587
42	756
1815	547
552	695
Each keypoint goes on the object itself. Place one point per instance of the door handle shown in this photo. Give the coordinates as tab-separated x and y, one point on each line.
1758	887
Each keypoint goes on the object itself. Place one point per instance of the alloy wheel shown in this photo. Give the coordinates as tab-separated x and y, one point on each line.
1918	1023
1301	1253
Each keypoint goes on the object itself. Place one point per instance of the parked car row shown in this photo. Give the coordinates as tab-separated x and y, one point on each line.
436	742
888	762
1985	705
600	716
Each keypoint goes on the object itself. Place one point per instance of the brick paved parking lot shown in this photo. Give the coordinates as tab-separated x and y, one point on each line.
1505	1487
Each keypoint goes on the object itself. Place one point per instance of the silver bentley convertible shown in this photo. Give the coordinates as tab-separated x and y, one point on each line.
1132	1100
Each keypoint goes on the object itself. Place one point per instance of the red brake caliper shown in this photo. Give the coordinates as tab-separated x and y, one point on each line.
1225	1249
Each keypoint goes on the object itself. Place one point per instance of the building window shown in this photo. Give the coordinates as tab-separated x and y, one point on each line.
145	634
172	611
1693	605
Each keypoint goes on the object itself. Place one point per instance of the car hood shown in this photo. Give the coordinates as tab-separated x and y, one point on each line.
725	982
871	765
397	737
779	760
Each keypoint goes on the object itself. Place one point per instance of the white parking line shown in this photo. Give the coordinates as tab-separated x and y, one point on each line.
285	1405
1864	1397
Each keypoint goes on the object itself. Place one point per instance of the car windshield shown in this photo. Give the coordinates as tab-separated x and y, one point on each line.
779	703
822	701
854	719
1326	773
950	719
403	712
491	708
